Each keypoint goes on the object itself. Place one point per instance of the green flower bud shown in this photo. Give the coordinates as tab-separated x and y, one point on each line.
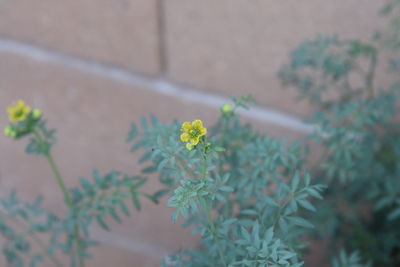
189	146
7	131
10	132
36	113
226	108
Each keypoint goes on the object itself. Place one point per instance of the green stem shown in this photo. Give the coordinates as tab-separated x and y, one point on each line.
283	205
203	173
67	197
370	74
209	216
59	180
214	233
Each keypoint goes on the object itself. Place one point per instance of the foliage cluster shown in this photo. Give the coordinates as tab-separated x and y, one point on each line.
253	199
358	131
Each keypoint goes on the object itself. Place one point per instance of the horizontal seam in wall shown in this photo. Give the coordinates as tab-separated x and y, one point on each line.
130	244
159	85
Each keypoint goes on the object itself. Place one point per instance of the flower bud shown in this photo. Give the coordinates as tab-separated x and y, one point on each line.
189	146
36	113
226	108
7	131
10	132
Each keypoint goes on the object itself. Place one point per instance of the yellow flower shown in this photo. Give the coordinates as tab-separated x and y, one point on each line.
191	132
18	112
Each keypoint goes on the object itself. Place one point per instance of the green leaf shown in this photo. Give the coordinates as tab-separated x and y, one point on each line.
249	212
86	184
101	223
219	149
225	188
295	182
394	214
149	169
135	200
300	222
141	182
151	198
114	214
306	204
133	133
161	193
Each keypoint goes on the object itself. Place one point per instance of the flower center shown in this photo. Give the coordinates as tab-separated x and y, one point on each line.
194	132
19	113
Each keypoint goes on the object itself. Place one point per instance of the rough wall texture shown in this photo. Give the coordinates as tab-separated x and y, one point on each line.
94	66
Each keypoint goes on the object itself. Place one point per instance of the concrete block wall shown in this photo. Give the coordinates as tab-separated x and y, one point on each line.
94	66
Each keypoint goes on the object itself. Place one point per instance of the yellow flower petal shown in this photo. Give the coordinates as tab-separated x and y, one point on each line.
185	137
195	140
203	131
186	126
197	124
20	104
10	109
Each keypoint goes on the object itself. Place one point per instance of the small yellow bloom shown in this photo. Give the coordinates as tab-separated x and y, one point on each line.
226	108
18	112
36	113
191	132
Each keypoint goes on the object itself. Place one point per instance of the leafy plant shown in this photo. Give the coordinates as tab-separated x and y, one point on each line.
25	226
241	190
357	129
250	197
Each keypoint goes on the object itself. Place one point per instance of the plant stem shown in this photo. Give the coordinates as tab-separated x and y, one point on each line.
214	233
59	180
67	197
208	213
370	74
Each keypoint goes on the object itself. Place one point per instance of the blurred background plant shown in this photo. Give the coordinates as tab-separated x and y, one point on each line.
358	132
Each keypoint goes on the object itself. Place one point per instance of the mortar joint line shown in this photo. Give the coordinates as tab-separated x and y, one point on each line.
162	35
157	84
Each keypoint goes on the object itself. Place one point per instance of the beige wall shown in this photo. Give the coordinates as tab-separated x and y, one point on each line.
94	66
